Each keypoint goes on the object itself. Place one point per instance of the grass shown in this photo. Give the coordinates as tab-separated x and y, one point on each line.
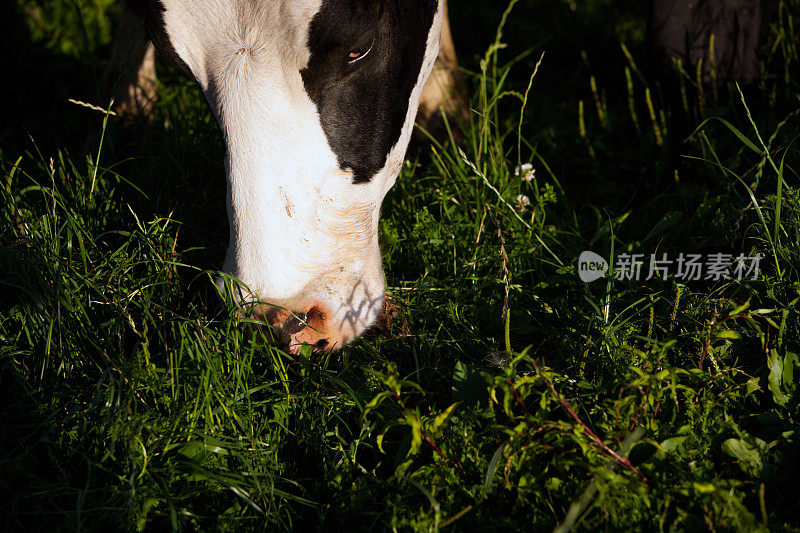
508	394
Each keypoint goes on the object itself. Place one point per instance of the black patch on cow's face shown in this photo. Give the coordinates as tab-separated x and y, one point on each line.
363	104
156	30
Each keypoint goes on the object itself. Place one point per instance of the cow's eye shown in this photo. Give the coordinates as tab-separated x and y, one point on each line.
359	53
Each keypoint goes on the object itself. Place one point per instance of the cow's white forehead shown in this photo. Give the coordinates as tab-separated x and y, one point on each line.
301	230
206	32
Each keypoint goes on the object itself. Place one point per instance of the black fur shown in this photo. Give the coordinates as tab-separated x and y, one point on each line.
154	22
363	105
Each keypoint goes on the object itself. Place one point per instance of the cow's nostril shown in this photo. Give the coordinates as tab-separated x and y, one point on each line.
295	323
315	317
322	344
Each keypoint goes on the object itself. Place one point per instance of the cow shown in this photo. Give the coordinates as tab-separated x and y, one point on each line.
316	100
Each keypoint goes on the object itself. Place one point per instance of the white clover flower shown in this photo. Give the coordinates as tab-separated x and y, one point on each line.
523	202
525	172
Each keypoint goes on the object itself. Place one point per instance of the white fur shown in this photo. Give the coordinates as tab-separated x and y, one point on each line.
302	233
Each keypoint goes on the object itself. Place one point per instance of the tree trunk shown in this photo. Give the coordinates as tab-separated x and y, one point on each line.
724	34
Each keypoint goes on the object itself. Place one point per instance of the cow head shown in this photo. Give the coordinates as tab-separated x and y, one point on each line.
316	100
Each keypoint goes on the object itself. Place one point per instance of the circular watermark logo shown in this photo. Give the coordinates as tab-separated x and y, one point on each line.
591	267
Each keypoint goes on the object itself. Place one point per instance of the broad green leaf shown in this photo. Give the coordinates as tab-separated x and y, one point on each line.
728	334
441	420
753	385
412	419
669	445
374	403
704	488
741	309
748	455
776	377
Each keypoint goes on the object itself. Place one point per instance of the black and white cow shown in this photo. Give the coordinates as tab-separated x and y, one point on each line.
316	100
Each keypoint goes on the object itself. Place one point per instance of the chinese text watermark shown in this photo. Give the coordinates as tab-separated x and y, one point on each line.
684	267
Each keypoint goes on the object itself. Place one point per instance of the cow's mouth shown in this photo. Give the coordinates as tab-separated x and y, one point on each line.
293	330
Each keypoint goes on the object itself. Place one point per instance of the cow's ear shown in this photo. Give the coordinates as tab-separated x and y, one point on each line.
157	31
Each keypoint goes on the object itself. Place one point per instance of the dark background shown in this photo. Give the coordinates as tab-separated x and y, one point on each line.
43	66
